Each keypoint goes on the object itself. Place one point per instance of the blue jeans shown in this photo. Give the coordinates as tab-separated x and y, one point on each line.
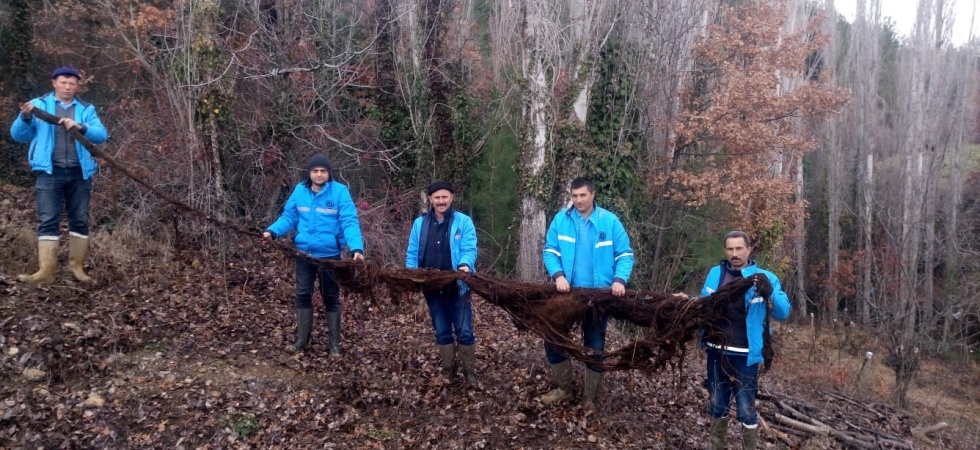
728	377
593	336
63	187
306	274
452	316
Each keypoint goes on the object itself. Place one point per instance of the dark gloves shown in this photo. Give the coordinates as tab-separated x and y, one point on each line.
762	286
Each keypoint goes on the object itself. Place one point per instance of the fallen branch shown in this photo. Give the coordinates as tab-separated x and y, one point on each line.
924	432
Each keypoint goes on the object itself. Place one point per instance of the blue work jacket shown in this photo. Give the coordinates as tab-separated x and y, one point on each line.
324	221
612	256
41	134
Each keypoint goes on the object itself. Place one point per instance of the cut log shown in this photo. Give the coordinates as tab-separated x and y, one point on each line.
812	429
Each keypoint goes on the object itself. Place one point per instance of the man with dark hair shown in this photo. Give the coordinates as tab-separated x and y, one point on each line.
64	171
445	239
324	216
586	246
734	342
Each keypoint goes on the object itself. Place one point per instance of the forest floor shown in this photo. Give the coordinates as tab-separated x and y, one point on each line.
186	350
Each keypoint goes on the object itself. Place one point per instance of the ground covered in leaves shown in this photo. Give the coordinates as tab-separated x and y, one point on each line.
183	349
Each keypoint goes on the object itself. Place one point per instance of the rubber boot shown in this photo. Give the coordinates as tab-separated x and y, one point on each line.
719	431
593	385
563	378
304	325
468	355
77	252
333	322
447	356
750	437
47	261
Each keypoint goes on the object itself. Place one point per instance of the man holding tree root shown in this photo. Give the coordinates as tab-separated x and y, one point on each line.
587	247
736	342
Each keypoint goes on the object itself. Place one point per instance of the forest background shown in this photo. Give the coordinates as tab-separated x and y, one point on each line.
848	151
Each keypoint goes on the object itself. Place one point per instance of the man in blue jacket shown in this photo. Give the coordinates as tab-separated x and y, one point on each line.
734	343
445	239
64	172
324	216
586	246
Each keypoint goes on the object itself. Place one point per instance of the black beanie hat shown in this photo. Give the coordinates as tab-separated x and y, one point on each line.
440	185
319	160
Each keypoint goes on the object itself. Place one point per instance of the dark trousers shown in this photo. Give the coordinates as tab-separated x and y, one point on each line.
306	274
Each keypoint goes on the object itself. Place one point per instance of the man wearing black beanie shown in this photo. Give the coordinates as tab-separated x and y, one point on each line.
324	216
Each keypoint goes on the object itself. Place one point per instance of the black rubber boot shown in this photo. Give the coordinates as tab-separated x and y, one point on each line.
468	355
304	325
333	323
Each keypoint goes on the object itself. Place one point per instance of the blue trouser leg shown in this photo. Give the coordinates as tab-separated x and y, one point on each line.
50	197
729	376
594	336
78	192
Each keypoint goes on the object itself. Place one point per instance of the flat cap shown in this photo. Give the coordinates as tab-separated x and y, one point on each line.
438	185
66	71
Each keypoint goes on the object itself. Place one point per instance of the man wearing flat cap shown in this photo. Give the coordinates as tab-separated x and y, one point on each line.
324	216
445	239
64	171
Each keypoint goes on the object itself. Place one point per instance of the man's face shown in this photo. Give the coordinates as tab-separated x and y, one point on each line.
319	176
65	87
441	200
583	200
736	252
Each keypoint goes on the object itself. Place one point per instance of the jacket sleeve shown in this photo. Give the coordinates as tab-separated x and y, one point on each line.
467	248
711	282
551	255
622	252
412	254
349	222
780	301
22	131
288	220
94	130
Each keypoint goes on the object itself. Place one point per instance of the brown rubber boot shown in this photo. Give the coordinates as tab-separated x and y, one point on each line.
47	261
563	378
447	356
750	437
593	385
468	354
719	431
77	252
